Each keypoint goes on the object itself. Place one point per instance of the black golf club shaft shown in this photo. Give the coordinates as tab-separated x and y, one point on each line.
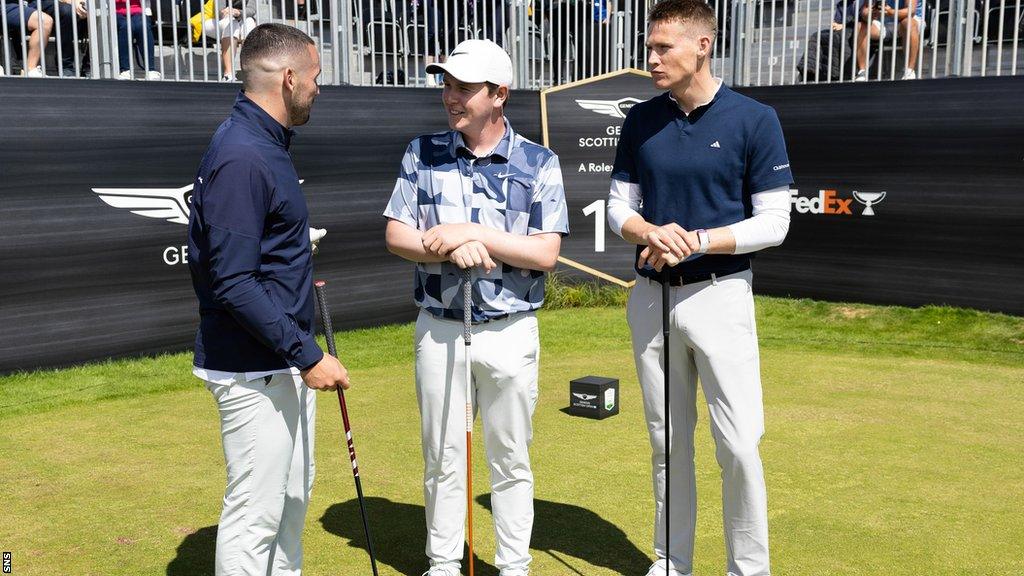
666	271
325	320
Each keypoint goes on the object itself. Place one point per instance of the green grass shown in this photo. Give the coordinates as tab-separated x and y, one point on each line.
560	292
893	446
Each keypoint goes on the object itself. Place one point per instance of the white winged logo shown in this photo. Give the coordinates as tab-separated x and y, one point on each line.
586	397
613	108
171	204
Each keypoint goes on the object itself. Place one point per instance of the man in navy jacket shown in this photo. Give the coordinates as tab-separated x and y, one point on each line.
251	266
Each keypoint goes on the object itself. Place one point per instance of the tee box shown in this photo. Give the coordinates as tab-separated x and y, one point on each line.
594	397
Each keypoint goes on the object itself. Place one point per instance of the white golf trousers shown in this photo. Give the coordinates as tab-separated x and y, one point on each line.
712	336
228	27
267	431
505	355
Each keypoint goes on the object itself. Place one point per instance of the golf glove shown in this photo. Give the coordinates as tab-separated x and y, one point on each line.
315	235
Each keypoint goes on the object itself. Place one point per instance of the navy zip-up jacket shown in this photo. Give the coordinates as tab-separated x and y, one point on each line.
249	251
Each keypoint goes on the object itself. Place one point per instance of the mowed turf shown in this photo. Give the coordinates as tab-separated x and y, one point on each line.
894	445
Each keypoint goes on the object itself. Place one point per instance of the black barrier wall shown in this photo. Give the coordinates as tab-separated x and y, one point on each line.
949	156
83	279
906	192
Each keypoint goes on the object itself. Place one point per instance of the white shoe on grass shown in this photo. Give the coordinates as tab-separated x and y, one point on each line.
444	570
658	569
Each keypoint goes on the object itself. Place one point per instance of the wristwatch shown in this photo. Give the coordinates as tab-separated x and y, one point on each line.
705	241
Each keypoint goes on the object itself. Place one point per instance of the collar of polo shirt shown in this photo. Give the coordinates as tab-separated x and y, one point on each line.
503	148
714	97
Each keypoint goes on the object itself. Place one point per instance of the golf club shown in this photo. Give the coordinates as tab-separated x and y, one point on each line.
325	320
667	271
467	337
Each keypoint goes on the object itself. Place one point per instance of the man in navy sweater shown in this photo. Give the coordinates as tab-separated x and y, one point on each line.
251	266
701	175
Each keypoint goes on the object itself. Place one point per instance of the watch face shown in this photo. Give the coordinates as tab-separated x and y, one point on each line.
704	239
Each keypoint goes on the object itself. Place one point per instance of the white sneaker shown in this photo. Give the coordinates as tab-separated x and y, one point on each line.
862	76
126	75
515	572
36	72
443	570
154	75
658	569
1	70
227	78
909	74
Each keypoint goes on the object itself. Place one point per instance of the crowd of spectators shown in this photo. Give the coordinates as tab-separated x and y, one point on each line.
572	39
29	25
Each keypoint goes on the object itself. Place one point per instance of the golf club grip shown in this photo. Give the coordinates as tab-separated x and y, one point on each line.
325	320
325	316
467	305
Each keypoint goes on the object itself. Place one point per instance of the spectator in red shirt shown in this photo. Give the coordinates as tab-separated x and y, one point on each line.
141	40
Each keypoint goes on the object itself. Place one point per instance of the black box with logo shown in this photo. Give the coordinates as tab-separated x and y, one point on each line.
594	397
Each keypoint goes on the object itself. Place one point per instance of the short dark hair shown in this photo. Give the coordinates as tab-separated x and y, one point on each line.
492	89
273	41
693	11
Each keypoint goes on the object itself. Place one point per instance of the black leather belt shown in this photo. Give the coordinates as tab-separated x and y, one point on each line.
684	279
475	322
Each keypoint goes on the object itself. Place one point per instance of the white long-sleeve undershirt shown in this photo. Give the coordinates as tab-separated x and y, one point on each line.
765	228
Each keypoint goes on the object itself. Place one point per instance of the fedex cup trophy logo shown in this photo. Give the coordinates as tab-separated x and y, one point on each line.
869	199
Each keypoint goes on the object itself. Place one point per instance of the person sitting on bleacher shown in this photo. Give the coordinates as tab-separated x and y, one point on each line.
895	14
37	25
141	40
72	13
235	23
828	48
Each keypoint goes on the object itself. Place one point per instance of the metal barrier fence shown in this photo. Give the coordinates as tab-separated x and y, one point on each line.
390	42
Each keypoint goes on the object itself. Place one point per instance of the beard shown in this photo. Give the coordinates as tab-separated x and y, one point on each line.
299	109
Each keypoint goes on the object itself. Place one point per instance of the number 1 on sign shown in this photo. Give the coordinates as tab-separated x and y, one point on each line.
597	208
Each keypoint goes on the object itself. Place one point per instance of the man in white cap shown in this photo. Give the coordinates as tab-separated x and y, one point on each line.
479	197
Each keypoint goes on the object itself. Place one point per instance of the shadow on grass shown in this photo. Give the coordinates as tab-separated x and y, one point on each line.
195	554
399	535
560	528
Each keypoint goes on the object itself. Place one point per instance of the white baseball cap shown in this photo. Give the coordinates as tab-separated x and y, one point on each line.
475	61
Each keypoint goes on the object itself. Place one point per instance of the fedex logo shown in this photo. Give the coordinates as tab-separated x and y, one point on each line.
829	202
826	202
